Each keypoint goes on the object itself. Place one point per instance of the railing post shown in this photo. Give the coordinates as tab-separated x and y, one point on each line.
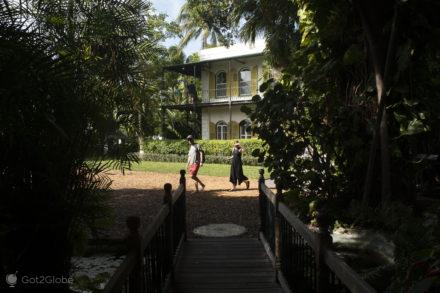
168	200
182	181
261	198
134	243
324	241
277	252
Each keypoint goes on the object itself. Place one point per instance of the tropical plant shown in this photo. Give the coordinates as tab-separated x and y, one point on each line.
178	123
116	45
356	75
72	72
210	19
276	21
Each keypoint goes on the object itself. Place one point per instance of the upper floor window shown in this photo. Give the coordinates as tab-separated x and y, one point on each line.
244	82
245	129
222	130
220	85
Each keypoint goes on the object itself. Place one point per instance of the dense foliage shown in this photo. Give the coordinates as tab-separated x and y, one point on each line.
210	19
353	121
211	147
210	159
320	144
73	75
177	123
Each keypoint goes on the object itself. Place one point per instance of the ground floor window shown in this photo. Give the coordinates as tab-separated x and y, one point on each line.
245	129
222	130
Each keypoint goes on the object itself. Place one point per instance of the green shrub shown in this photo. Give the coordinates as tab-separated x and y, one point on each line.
165	158
176	147
211	147
210	159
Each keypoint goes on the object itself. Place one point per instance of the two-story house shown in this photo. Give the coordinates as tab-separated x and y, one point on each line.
229	78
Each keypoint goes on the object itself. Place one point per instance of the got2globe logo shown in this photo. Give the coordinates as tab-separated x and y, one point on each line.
11	279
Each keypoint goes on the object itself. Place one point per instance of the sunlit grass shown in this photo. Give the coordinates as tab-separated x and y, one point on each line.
221	170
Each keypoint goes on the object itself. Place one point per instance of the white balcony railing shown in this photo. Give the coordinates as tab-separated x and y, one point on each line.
224	95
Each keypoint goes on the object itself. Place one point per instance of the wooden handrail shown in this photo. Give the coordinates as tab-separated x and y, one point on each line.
132	265
269	194
177	193
299	226
336	264
155	225
117	280
346	274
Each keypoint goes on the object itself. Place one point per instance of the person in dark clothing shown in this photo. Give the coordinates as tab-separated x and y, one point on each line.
237	176
192	92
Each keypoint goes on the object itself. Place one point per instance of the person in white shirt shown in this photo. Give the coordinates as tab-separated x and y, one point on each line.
195	161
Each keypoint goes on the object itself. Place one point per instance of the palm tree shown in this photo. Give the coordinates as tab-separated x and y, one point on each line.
274	20
62	80
206	18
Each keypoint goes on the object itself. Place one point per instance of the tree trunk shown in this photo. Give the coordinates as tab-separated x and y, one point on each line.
385	158
140	135
381	69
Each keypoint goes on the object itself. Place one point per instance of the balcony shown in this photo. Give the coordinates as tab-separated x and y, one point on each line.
224	94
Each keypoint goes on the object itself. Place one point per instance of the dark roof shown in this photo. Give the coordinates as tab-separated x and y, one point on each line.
191	69
195	68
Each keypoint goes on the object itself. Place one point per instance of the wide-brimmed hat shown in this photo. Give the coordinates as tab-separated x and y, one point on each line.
190	137
237	144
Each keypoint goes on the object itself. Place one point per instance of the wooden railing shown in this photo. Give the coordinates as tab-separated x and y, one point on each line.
303	259
152	255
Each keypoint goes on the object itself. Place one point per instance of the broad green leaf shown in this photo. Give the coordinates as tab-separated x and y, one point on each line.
410	102
415	126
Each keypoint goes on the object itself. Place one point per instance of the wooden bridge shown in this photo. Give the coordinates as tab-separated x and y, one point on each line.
225	265
287	257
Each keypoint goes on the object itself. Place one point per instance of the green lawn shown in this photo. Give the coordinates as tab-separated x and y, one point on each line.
206	169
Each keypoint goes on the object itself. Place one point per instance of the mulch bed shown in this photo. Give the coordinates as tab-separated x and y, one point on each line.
141	194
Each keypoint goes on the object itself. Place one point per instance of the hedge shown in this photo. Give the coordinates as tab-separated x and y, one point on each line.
210	159
211	147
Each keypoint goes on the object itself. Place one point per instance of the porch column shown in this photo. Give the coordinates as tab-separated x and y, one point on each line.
230	99
162	126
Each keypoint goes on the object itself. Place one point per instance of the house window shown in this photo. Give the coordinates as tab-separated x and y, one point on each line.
220	85
222	130
245	129
244	85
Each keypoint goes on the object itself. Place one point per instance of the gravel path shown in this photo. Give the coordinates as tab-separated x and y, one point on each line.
141	194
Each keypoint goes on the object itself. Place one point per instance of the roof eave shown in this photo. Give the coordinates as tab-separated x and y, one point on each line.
195	68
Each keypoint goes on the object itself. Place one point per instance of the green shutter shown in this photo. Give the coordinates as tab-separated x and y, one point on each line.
235	130
228	84
233	83
212	131
211	93
254	81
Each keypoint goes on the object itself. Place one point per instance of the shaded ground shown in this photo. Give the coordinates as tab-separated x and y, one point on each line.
141	194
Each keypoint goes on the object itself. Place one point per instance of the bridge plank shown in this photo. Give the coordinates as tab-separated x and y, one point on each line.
225	265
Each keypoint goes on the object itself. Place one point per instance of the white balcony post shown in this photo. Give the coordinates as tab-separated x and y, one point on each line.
230	97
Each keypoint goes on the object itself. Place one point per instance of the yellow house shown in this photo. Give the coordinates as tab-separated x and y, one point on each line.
229	77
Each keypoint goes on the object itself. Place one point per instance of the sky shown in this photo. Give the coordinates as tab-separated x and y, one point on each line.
172	8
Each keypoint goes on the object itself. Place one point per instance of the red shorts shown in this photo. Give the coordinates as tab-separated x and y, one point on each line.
193	169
